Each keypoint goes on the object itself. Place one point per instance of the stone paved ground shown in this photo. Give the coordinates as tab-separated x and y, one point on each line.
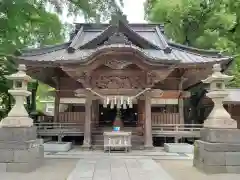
118	169
183	170
117	166
53	169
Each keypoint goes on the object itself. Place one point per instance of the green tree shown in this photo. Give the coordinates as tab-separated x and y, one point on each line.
207	24
27	23
92	10
23	23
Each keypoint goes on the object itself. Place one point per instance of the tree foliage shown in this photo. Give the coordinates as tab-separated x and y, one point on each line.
27	23
207	24
24	23
92	10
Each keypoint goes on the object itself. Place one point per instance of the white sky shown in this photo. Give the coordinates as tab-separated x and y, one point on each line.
132	8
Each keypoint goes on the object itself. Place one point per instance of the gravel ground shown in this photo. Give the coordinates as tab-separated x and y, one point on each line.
53	169
183	170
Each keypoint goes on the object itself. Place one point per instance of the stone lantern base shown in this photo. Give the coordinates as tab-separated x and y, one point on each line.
218	151
20	151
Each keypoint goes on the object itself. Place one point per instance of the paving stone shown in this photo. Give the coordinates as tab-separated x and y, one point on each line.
102	170
120	169
153	170
85	169
22	167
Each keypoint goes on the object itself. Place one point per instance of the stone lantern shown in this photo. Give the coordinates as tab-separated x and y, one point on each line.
21	150
218	149
219	117
18	116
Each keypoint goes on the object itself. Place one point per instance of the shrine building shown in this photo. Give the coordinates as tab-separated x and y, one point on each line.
131	67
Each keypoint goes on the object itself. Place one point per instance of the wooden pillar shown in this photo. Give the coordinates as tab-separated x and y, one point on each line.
87	123
181	103
57	99
56	107
95	112
148	143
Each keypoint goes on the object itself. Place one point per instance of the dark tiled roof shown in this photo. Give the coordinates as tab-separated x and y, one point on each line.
154	55
158	48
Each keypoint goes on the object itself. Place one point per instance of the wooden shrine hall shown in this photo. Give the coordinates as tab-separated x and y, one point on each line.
131	67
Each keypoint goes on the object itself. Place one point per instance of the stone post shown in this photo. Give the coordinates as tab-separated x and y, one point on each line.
148	143
20	150
218	150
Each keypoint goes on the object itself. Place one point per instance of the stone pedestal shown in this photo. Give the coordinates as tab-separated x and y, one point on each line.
20	151
57	146
178	148
218	151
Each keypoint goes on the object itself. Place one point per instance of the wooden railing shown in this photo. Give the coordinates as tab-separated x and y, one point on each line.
77	129
161	127
177	127
59	129
65	117
49	126
165	118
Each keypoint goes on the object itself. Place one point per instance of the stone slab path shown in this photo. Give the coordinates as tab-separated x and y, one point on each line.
118	169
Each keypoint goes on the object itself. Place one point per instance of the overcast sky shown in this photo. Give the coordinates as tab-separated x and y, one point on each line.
132	8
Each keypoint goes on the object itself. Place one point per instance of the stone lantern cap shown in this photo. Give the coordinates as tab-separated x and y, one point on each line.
217	75
20	75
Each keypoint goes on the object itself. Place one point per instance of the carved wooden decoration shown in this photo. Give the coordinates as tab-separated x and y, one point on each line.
116	64
117	38
151	78
84	78
155	76
117	82
116	76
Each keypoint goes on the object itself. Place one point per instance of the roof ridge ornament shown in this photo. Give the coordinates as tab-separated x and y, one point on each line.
118	15
115	18
117	38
